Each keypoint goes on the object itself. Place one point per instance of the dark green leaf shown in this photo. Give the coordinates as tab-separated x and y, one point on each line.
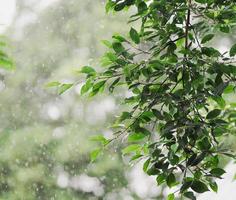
118	48
232	51
199	187
213	114
204	144
190	195
207	38
217	172
134	35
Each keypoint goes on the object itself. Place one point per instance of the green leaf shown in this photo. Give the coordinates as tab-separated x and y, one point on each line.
229	89
146	164
6	64
135	157
111	56
134	35
232	51
198	159
53	84
98	87
171	197
120	6
87	70
201	1
190	195
171	180
107	43
119	38
125	116
131	148
210	52
136	137
224	28
86	87
199	187
217	172
160	179
153	171
186	184
114	83
64	87
94	154
220	101
213	114
214	186
99	138
158	114
118	48
109	6
204	144
207	38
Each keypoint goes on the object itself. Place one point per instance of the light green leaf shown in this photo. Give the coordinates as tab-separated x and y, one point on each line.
220	101
171	197
86	87
6	64
94	154
107	43
146	164
99	138
136	137
229	89
131	148
87	70
64	87
53	84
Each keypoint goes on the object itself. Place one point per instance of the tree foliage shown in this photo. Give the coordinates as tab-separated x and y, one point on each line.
5	60
174	73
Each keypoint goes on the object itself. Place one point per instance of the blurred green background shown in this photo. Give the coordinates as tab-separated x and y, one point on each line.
44	140
44	137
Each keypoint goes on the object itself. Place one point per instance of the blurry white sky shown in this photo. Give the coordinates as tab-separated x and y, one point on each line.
8	7
7	10
227	188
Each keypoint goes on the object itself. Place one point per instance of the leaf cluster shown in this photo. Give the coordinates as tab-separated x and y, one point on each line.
174	74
